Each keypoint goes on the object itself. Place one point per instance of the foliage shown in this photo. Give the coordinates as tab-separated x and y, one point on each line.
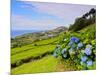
81	22
48	63
80	47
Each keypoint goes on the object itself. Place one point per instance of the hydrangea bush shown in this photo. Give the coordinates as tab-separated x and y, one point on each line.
82	52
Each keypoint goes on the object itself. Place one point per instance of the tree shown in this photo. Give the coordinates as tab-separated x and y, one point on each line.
87	19
85	15
92	11
92	14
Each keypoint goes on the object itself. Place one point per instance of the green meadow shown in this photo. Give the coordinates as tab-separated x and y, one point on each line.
39	65
58	50
41	55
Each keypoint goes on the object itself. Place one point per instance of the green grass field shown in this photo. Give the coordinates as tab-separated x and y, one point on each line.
28	51
33	51
47	63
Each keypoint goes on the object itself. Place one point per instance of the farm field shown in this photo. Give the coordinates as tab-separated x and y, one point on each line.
44	46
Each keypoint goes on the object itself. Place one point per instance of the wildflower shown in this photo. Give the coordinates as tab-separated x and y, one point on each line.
55	55
70	51
75	39
88	51
80	45
89	63
64	51
64	56
84	58
70	43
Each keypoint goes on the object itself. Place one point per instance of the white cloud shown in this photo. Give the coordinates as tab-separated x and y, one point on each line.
63	11
22	22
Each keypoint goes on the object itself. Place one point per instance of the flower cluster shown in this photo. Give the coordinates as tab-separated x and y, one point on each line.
64	55
74	39
76	49
86	59
55	54
88	50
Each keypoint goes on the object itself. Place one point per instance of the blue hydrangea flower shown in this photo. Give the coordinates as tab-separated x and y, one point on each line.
64	55
70	43
73	46
88	51
64	51
75	39
55	55
89	63
70	51
80	45
84	58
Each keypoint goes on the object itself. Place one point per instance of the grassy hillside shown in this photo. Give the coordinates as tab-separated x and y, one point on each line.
31	51
30	38
46	64
41	57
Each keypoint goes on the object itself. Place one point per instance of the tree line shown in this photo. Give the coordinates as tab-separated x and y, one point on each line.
85	20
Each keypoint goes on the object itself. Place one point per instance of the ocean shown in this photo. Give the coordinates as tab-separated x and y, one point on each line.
15	33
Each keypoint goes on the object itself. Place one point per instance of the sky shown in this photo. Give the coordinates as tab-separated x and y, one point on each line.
30	15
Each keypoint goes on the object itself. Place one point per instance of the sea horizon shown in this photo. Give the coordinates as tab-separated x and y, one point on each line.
15	33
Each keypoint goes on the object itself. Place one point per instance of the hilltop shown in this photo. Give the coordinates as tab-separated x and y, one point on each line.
36	36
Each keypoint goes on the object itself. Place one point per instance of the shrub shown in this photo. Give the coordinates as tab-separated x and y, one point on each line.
81	53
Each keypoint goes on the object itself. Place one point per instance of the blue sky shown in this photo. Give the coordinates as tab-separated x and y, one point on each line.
30	15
